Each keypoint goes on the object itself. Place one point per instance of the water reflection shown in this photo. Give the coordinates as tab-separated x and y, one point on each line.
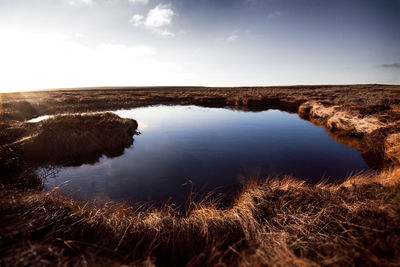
216	149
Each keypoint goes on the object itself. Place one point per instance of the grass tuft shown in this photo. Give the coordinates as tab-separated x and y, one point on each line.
273	222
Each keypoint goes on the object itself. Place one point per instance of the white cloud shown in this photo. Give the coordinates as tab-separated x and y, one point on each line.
137	20
139	1
79	35
51	60
232	38
158	19
159	16
79	2
166	32
121	50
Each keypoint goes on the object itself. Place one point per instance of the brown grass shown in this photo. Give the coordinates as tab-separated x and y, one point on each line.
64	140
366	112
78	139
272	222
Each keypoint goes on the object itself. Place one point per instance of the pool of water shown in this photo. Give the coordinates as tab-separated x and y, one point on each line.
208	149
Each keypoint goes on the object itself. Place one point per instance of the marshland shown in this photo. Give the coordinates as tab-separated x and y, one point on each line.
303	175
199	133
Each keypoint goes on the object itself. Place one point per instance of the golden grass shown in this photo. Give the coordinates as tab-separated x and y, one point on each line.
272	222
73	139
366	113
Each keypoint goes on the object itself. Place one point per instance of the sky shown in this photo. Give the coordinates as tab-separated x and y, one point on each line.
75	43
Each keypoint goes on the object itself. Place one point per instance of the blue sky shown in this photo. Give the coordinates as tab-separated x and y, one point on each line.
72	43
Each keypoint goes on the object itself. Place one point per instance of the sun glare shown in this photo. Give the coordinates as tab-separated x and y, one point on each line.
54	60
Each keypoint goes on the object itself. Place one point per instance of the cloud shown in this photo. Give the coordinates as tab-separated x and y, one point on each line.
395	65
137	20
51	60
79	35
232	38
139	1
79	2
121	50
157	19
159	16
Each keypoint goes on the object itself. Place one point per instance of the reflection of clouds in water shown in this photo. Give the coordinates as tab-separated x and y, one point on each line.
125	113
45	117
106	166
142	125
38	119
134	114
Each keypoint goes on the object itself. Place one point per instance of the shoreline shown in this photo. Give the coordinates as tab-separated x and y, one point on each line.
368	113
280	222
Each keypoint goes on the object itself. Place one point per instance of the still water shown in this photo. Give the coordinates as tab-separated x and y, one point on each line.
215	149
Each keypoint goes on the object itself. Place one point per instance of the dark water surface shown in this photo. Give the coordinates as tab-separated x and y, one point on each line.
217	149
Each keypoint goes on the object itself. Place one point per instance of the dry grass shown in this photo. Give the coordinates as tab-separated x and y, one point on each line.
273	222
64	140
365	112
78	139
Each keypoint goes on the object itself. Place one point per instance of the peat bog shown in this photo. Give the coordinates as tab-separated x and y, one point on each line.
205	150
269	221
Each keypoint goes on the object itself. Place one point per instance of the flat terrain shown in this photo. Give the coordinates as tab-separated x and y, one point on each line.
371	113
271	221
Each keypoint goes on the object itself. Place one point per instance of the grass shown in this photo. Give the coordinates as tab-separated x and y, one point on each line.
370	112
272	222
64	140
78	139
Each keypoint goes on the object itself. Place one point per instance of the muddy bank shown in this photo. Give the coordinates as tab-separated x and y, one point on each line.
67	140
